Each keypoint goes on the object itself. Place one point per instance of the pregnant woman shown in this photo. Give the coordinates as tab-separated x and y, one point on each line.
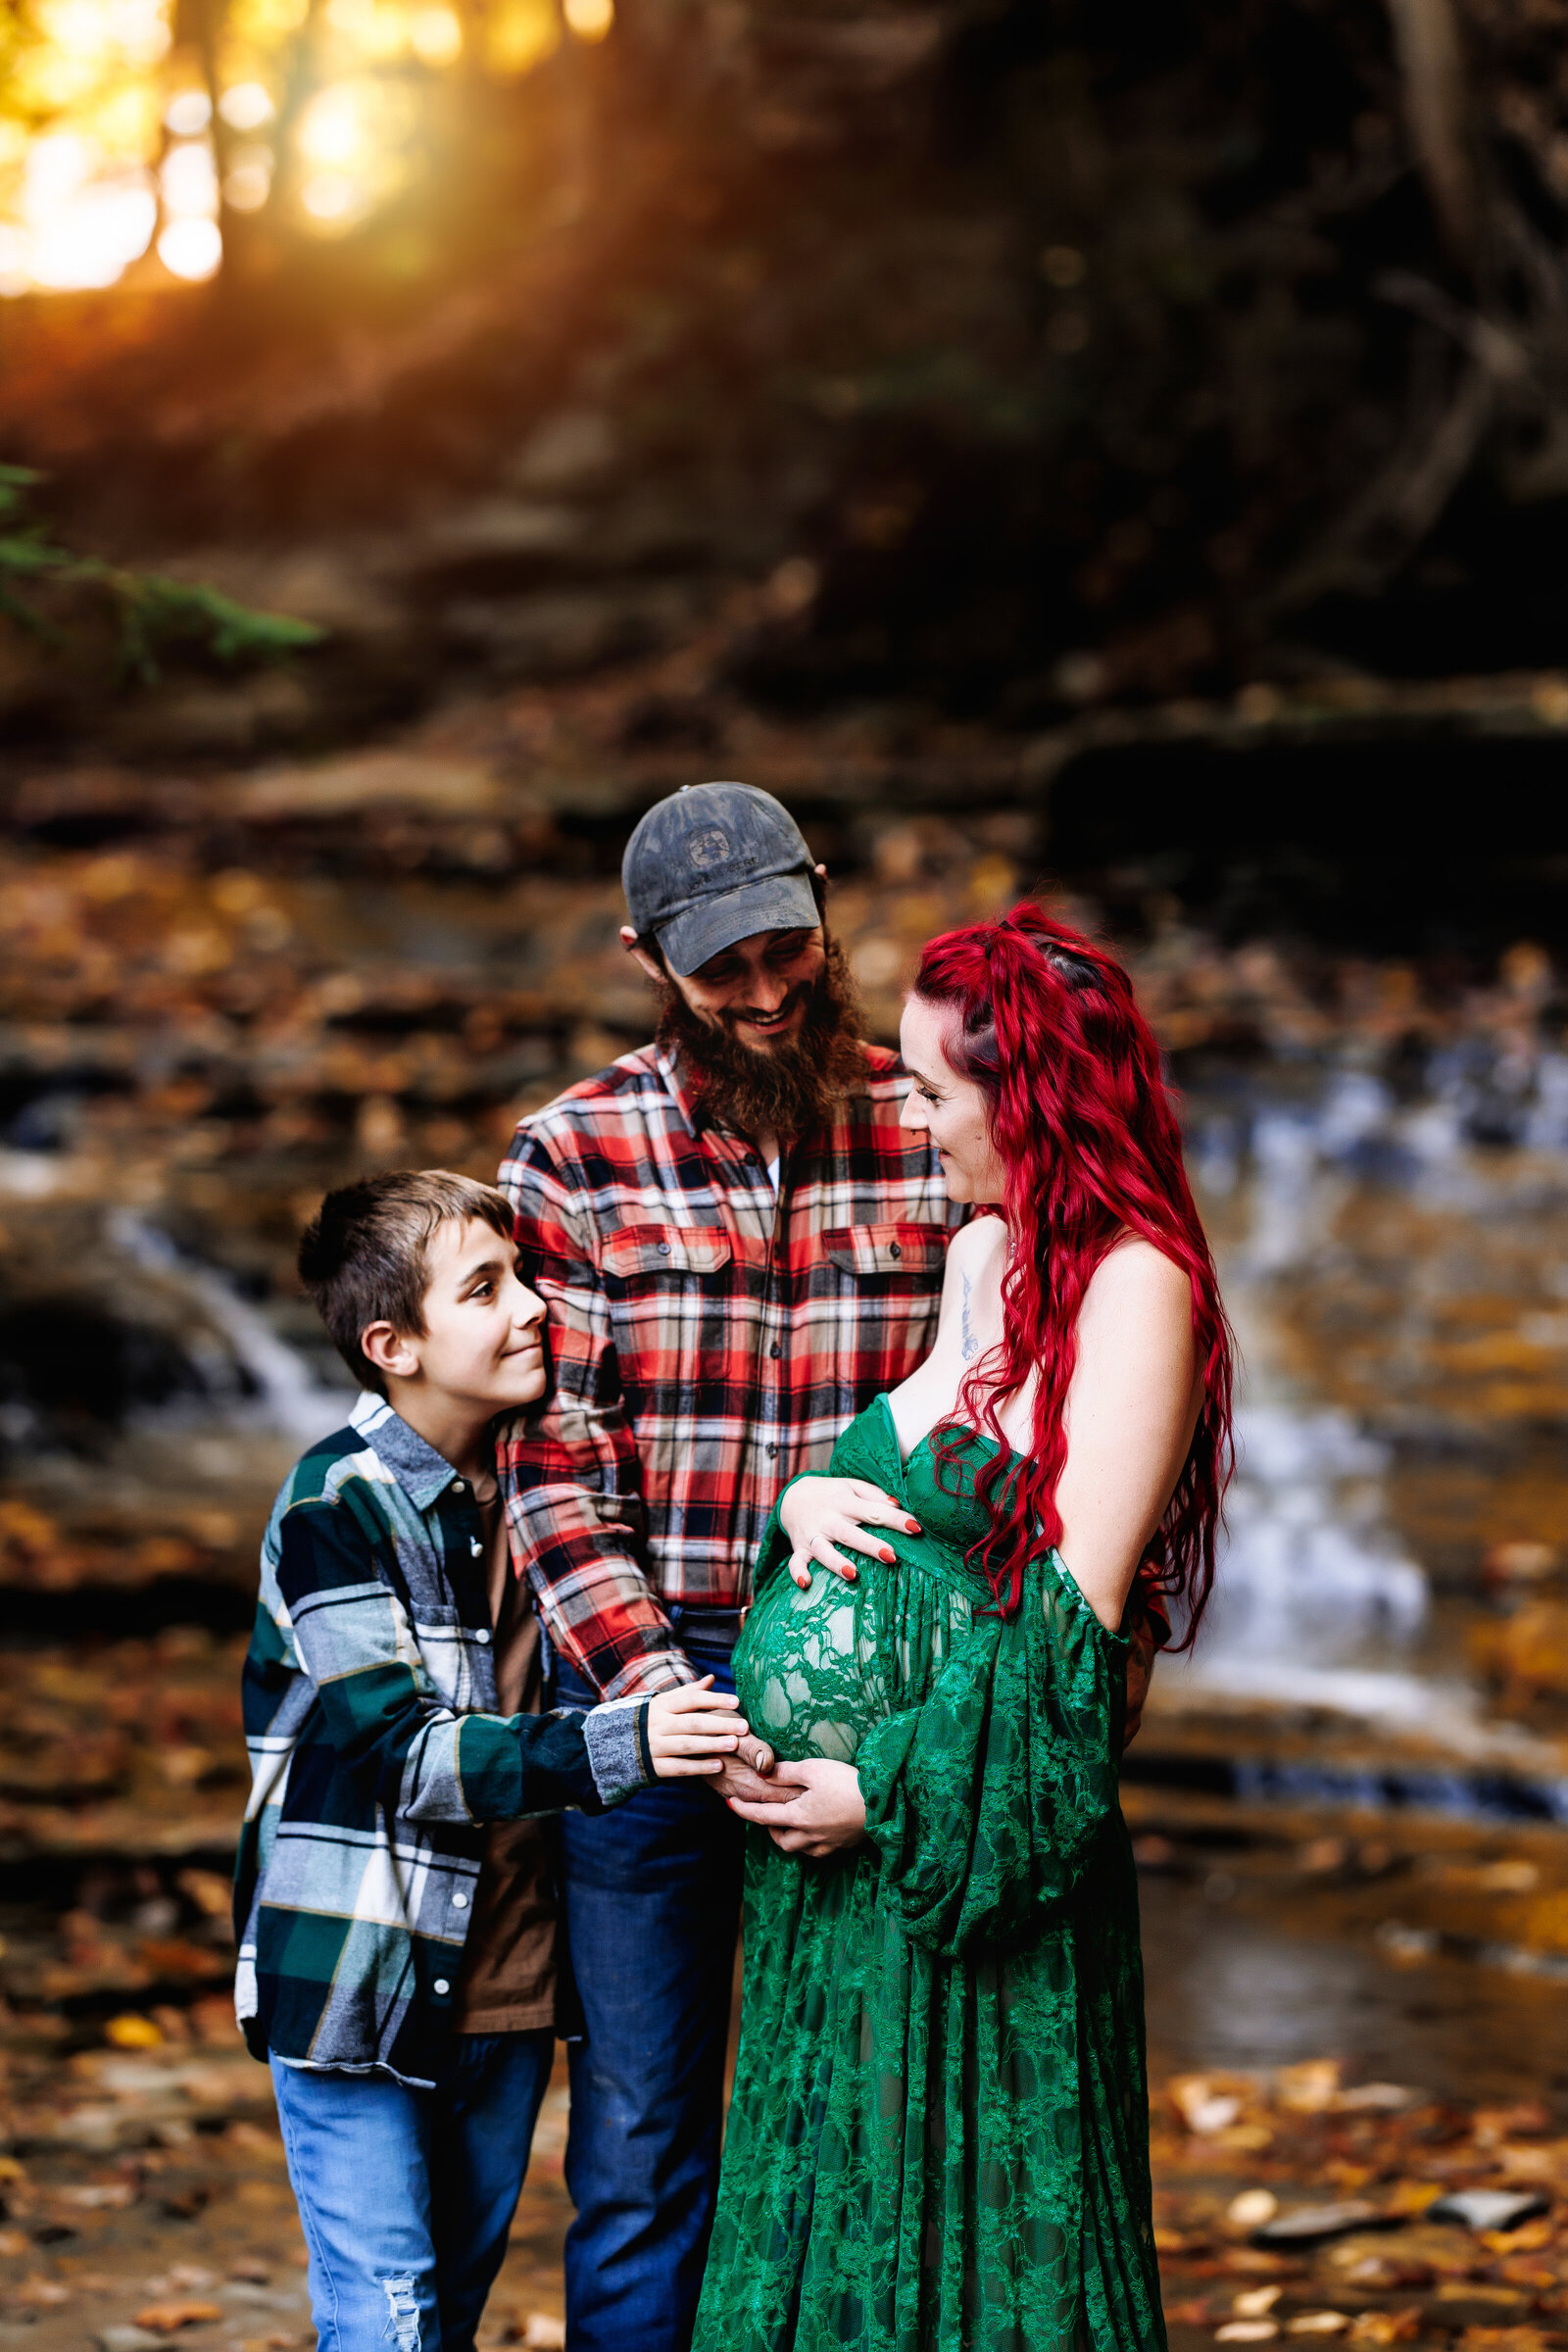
938	2140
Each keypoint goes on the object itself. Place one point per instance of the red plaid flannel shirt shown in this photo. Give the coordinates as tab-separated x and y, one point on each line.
708	1340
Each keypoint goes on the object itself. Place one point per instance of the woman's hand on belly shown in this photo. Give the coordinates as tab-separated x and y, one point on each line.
819	1513
829	1812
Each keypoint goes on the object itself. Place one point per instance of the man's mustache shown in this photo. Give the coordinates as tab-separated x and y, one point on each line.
800	993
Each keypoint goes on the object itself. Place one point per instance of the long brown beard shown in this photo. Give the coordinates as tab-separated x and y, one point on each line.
786	1089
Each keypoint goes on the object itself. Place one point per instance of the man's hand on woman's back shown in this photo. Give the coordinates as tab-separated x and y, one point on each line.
1143	1648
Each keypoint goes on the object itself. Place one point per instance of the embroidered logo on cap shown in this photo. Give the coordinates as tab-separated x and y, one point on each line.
709	847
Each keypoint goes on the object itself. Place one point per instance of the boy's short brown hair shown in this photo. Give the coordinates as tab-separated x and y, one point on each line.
362	1255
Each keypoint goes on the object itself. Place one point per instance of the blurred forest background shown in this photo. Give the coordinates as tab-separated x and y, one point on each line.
1020	361
1119	450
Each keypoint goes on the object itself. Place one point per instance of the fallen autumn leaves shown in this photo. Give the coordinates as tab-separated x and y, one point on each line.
145	2197
1296	2206
209	1028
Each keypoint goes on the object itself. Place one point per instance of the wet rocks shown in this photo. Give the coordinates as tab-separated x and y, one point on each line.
1481	2209
1314	2224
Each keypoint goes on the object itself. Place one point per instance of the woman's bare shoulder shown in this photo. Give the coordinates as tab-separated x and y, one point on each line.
974	1245
1134	1274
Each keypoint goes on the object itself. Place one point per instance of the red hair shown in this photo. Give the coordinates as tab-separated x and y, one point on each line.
1085	1126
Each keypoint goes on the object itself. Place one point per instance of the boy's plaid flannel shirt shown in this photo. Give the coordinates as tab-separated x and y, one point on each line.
377	1754
710	1340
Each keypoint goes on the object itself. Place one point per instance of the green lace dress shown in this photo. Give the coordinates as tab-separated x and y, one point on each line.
938	2140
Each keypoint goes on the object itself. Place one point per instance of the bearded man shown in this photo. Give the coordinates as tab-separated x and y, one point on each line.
740	1247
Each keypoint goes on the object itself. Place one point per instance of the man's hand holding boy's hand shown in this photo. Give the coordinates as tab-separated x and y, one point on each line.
697	1730
749	1775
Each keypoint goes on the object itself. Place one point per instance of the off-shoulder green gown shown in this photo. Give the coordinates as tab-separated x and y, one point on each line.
938	2140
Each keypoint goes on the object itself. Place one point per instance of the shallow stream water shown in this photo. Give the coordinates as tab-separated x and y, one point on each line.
1368	1739
1351	1803
1398	1297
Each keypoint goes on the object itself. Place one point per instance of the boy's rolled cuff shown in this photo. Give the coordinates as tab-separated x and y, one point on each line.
619	1754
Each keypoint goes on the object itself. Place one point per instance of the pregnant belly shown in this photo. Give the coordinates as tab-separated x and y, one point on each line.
806	1673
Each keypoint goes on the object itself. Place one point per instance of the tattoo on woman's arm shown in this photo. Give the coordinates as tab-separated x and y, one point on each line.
968	1345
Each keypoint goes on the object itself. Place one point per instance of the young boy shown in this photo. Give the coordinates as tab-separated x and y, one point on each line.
395	1958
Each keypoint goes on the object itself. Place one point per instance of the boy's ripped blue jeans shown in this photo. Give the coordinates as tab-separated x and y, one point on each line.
407	2195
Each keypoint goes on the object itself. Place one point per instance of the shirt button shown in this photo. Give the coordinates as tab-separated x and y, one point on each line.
772	1450
474	1545
441	1985
459	1902
457	1487
894	1251
775	1350
663	1248
481	1636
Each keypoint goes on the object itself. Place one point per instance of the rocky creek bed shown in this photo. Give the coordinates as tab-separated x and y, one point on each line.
220	994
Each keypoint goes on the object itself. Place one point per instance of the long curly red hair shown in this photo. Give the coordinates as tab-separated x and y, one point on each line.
1085	1126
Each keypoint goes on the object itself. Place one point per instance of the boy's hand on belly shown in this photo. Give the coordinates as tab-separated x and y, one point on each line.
696	1729
825	1810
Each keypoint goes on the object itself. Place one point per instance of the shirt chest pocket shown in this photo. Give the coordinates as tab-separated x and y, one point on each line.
644	1257
676	1317
880	1294
891	1257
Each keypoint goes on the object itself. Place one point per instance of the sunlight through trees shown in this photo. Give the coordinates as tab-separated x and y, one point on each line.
138	139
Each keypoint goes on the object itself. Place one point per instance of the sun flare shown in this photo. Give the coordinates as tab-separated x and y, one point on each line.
123	146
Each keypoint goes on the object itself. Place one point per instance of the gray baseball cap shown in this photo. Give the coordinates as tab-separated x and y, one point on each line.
715	863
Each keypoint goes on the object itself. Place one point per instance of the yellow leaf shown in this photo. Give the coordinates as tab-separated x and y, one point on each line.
129	2032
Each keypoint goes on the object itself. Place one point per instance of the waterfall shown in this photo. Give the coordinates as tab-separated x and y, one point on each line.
290	1398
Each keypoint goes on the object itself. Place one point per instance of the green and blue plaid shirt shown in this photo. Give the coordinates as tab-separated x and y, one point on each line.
376	1755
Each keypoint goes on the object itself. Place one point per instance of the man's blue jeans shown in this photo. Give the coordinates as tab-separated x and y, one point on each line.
407	2195
651	1903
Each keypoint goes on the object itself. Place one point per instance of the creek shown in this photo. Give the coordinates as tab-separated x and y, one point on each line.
1370	1699
1396	1290
1349	1804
